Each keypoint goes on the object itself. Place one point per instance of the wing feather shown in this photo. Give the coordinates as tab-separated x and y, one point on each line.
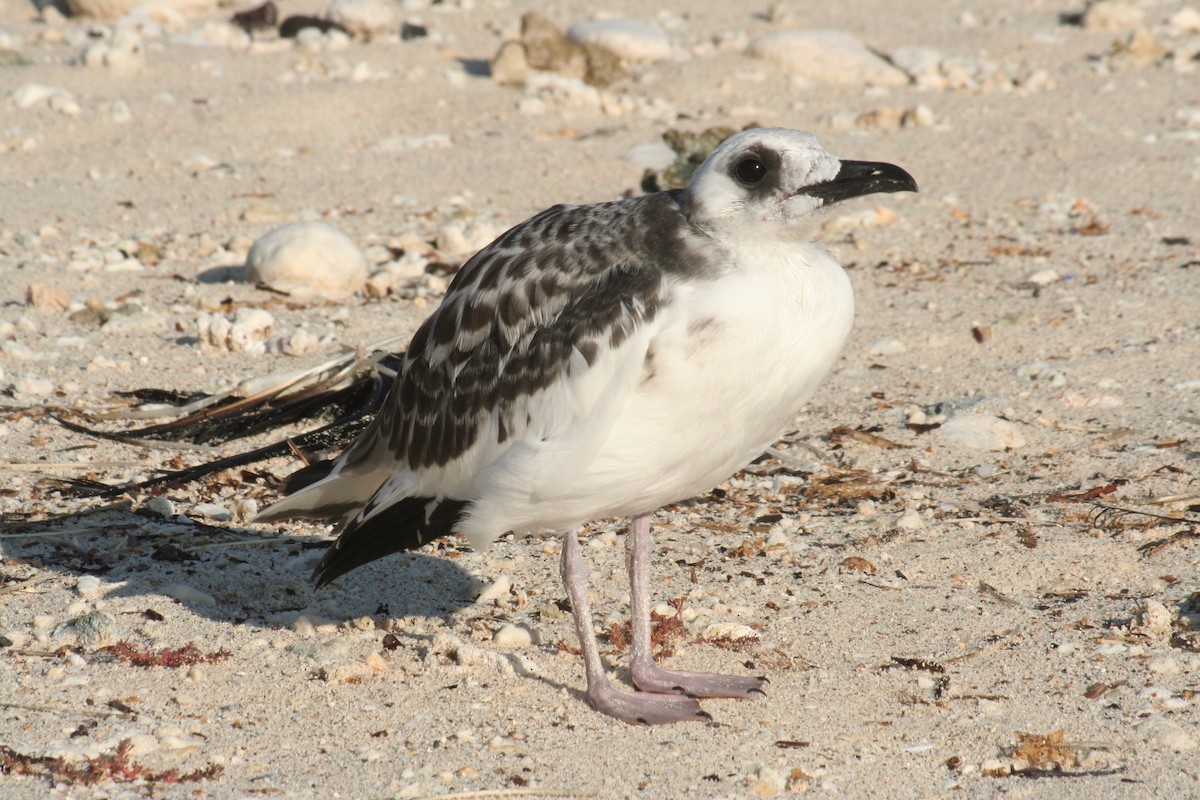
532	311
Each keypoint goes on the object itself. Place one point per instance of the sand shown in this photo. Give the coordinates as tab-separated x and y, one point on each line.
926	573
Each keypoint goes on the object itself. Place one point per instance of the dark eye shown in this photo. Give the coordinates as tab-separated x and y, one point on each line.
750	170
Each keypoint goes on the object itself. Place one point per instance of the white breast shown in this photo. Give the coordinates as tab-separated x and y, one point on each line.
727	365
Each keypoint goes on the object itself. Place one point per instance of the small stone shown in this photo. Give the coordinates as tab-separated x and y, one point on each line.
1141	49
1186	20
307	259
888	347
1042	373
922	64
766	782
981	432
729	632
497	590
627	38
46	298
994	768
89	587
212	511
32	386
160	505
1163	665
829	56
1112	15
510	67
296	343
244	508
513	636
547	49
189	595
1044	277
1166	733
89	631
112	9
1152	619
245	332
28	95
364	18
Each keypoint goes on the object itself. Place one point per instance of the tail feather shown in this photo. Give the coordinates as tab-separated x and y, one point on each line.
332	498
404	525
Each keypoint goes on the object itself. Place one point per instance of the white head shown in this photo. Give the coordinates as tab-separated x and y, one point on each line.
780	176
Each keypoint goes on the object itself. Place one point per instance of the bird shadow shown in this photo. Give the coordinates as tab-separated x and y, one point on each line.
476	67
229	273
232	575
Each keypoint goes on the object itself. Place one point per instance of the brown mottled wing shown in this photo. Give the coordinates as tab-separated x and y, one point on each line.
546	295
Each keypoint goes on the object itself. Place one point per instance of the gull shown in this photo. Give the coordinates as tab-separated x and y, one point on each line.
607	360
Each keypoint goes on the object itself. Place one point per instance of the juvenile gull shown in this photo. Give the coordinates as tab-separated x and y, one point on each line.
607	360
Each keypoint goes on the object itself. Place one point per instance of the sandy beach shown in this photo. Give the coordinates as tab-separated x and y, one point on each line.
971	569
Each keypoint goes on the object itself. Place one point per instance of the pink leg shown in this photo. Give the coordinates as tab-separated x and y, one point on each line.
632	707
647	675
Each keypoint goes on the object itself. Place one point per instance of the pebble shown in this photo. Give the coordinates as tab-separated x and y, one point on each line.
111	9
213	511
460	239
46	298
1112	15
729	631
888	347
89	587
1163	665
513	636
1152	619
629	39
1167	733
325	652
296	343
1044	277
88	631
981	432
307	259
543	48
497	590
922	64
32	386
100	9
123	55
28	95
826	55
160	505
365	18
1141	49
189	595
1041	373
245	332
885	118
1186	21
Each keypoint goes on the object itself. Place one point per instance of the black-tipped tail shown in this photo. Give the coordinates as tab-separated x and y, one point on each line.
405	525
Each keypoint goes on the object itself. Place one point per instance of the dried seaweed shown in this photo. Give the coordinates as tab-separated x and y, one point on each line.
117	768
168	657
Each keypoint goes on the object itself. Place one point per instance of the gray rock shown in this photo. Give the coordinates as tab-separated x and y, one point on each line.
827	56
627	38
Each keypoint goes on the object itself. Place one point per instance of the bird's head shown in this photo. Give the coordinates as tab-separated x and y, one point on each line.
780	176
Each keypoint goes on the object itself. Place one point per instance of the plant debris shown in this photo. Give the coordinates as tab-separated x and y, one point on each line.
168	657
117	768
